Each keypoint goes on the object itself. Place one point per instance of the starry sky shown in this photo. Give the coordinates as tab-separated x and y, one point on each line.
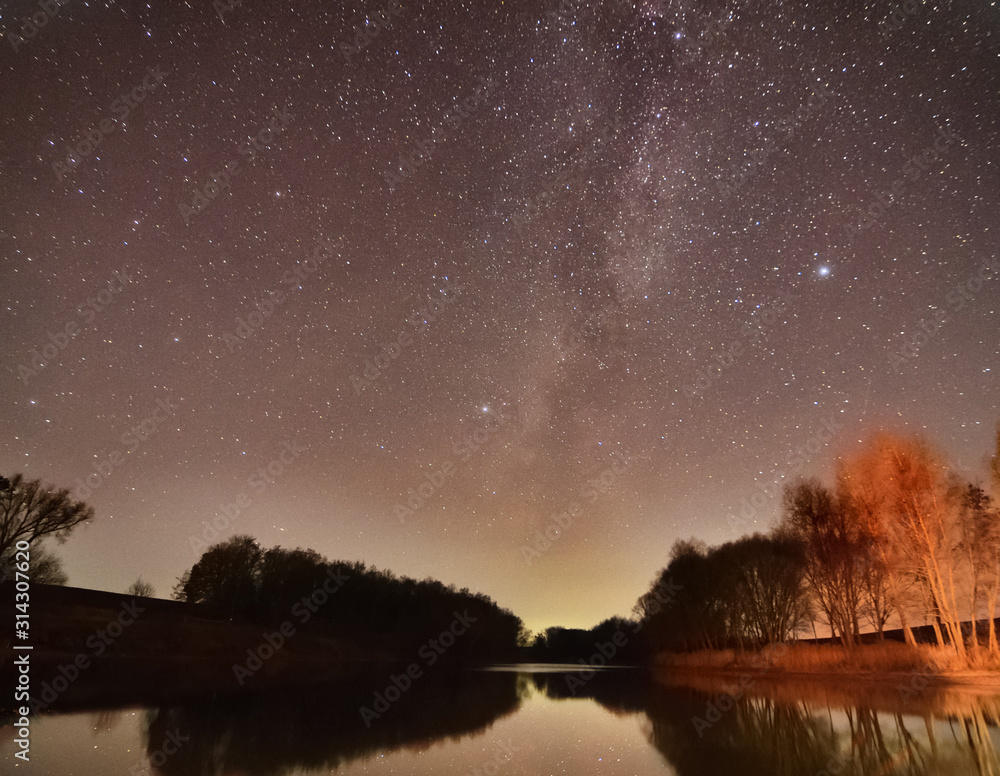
414	283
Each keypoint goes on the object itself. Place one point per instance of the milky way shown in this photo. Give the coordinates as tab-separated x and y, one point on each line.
412	284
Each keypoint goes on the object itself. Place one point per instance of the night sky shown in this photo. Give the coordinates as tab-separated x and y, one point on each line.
620	265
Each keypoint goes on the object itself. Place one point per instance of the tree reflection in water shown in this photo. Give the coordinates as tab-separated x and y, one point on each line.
804	729
321	727
777	729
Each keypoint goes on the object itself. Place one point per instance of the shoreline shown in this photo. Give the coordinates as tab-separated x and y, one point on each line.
886	667
959	677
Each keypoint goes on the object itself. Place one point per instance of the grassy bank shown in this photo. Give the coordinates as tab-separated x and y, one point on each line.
889	658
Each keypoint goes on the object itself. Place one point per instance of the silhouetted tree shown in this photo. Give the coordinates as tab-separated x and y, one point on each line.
141	588
30	511
350	600
899	529
876	595
287	575
833	550
766	577
226	575
657	631
745	593
44	567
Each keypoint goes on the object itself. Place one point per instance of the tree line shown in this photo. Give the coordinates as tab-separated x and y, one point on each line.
897	536
395	613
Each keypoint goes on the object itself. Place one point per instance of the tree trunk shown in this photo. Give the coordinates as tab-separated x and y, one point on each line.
957	620
991	612
938	634
907	632
975	624
974	608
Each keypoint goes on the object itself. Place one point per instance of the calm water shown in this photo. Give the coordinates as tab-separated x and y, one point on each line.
526	720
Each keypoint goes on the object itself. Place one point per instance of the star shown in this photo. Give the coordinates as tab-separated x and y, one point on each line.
613	232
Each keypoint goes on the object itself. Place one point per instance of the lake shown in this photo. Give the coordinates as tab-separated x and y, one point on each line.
533	720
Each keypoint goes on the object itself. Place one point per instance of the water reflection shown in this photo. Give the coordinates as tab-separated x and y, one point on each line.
708	726
705	726
321	727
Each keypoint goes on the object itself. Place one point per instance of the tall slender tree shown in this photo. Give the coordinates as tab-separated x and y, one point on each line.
979	543
916	514
862	491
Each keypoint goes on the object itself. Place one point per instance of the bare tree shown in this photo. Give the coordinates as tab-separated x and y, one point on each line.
979	541
876	595
861	486
832	549
916	513
770	586
141	588
31	511
44	567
